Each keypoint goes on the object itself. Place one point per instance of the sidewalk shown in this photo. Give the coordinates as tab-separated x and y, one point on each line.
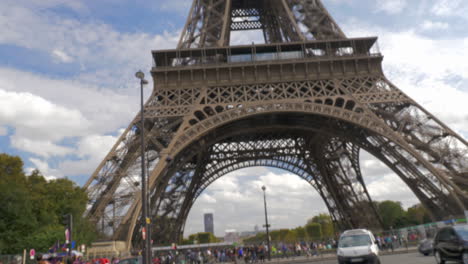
331	256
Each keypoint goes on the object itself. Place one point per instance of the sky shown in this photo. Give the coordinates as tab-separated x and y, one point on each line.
67	90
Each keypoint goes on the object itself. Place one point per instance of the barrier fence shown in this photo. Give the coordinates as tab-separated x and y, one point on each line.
396	239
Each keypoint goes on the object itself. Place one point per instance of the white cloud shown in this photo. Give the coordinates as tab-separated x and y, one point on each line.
62	56
431	25
391	6
91	149
99	99
36	118
389	187
43	167
100	51
236	200
98	107
206	198
450	8
180	6
247	37
429	70
39	147
75	5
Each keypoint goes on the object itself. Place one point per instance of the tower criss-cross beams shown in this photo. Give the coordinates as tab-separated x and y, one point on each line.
307	101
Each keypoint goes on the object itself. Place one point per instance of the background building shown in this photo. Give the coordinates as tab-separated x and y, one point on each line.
209	223
231	236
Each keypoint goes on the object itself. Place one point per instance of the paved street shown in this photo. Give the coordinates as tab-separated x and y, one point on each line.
411	258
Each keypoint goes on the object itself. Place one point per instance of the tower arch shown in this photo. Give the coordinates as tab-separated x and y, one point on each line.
326	91
337	147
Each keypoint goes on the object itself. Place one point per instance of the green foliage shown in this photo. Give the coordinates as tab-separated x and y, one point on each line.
300	233
417	215
259	238
325	221
392	214
275	235
200	238
32	209
283	233
321	226
203	238
314	231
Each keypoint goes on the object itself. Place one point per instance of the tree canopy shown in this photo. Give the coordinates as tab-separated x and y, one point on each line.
32	209
200	238
321	227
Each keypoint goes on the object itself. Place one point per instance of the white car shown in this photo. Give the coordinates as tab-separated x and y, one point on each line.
358	246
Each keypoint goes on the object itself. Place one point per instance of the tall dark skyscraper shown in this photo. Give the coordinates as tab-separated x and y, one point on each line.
209	225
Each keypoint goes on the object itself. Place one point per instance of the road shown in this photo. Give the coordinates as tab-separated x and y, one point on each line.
411	258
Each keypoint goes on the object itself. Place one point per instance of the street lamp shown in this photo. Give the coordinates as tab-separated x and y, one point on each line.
144	198
266	224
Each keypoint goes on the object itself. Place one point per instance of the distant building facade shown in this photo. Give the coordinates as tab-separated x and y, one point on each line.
231	236
209	223
245	234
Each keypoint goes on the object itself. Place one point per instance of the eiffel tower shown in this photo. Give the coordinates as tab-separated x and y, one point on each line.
306	101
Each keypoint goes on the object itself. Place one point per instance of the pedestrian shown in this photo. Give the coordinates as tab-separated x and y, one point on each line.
41	260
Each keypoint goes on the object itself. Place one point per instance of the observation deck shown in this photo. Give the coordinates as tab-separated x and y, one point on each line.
266	62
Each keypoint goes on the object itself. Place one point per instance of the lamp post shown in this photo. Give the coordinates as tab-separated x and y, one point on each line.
266	223
144	198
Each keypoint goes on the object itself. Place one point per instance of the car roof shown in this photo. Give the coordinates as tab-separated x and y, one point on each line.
460	227
356	232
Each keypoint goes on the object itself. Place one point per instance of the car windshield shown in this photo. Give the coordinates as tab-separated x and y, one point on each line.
462	231
354	241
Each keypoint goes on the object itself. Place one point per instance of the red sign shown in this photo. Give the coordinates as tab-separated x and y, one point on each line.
32	252
143	233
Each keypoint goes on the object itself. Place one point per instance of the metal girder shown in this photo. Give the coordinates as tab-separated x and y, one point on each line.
315	19
307	107
207	24
337	163
279	150
210	22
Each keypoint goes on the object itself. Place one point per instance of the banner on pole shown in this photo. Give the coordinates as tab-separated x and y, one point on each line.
67	236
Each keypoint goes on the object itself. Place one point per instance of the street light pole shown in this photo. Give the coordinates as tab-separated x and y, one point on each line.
144	198
266	223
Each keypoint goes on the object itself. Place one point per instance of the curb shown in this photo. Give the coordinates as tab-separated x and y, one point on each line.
317	259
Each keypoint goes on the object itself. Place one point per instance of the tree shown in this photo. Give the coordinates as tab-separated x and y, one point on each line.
32	209
17	219
275	235
314	231
326	223
300	233
204	238
390	212
201	238
257	239
417	215
283	233
291	237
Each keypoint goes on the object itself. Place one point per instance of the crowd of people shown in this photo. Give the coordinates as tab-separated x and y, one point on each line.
245	254
47	259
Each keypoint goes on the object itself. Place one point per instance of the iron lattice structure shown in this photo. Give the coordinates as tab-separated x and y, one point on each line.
307	101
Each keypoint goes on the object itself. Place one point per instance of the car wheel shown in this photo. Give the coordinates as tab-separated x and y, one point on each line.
465	258
438	258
